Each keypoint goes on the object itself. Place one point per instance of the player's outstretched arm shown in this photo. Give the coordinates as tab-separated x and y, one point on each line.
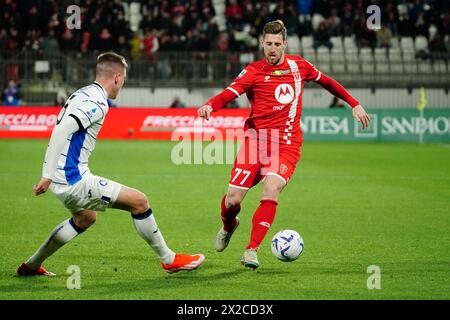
336	89
216	103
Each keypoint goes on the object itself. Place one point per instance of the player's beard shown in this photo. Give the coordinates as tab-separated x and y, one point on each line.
274	60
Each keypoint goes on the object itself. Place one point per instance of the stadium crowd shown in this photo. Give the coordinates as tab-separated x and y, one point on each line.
191	25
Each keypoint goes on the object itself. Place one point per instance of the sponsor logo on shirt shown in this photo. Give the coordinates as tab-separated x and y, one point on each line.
284	93
280	72
90	113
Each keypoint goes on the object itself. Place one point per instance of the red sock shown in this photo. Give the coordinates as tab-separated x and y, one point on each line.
228	215
261	222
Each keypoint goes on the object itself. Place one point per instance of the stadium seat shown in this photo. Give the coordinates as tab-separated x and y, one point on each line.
337	60
381	60
293	45
323	59
349	43
316	20
126	10
135	7
135	16
409	61
439	66
421	43
367	63
352	60
307	42
246	58
337	42
406	43
395	60
310	55
432	30
423	66
394	43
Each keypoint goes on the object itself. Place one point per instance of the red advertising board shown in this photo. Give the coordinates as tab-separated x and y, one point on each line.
122	123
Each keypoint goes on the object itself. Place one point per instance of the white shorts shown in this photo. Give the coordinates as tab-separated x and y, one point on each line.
91	193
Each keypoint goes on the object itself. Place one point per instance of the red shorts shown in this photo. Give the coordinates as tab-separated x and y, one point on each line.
257	159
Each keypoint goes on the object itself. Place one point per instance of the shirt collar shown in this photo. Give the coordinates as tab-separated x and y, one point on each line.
104	90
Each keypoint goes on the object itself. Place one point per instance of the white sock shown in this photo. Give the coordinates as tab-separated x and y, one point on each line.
148	229
63	233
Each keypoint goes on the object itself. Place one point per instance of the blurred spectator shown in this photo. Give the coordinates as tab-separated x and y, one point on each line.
334	23
420	26
135	46
49	43
364	37
384	37
304	26
437	45
11	94
150	43
104	41
233	13
347	20
304	6
322	37
177	103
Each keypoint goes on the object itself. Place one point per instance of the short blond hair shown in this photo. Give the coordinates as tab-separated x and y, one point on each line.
106	63
275	27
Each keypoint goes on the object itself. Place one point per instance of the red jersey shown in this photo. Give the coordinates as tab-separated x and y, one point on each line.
275	95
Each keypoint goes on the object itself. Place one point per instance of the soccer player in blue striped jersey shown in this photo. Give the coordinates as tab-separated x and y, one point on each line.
66	173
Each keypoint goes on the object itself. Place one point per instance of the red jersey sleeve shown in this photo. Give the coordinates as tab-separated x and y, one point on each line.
312	73
242	83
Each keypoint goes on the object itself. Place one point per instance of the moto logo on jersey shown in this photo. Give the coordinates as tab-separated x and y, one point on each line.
284	93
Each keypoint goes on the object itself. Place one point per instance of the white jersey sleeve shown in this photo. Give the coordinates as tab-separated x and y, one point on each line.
60	134
89	112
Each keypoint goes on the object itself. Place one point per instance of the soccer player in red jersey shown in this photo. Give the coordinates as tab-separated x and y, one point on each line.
271	147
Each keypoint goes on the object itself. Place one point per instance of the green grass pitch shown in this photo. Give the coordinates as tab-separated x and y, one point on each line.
355	204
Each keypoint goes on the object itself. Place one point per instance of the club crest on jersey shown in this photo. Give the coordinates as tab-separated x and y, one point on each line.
280	72
284	93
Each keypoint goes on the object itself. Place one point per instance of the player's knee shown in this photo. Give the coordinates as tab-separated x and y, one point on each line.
233	200
85	220
140	203
271	190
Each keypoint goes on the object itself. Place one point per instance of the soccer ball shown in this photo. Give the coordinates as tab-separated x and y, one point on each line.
287	245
